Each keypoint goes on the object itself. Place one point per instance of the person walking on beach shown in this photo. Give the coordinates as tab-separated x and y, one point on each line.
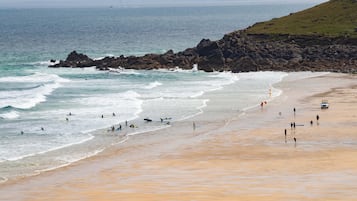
102	116
311	122
294	111
295	141
294	125
194	126
285	135
126	123
291	125
317	117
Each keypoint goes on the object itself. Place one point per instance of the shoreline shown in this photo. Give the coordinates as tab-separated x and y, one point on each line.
167	144
102	139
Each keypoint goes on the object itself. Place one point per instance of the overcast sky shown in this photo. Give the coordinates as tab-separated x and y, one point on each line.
137	3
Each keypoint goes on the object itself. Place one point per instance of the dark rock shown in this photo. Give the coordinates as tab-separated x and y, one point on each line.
205	47
240	52
245	64
75	59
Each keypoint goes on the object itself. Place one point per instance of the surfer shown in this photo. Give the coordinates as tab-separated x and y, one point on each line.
148	120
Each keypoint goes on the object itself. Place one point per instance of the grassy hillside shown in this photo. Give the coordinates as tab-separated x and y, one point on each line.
333	18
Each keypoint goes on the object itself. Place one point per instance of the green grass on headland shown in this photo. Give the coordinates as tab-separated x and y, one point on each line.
334	18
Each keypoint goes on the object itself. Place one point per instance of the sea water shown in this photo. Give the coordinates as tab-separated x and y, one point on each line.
48	116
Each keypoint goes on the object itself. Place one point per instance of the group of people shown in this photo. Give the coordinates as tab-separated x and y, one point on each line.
263	103
293	125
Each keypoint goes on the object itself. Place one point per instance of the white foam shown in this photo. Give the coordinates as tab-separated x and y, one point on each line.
199	108
25	99
35	78
107	55
198	94
176	70
28	98
153	85
10	115
143	131
71	159
49	150
130	72
44	63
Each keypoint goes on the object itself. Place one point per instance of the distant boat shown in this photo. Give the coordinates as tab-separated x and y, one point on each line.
324	104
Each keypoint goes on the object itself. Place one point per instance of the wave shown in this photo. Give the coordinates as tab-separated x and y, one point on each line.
130	72
199	108
10	115
26	99
228	78
153	85
90	137
69	159
44	63
177	70
34	78
29	97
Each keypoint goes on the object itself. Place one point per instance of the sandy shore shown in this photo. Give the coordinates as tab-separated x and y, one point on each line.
240	157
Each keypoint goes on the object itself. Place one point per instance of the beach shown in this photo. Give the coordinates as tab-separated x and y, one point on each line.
229	155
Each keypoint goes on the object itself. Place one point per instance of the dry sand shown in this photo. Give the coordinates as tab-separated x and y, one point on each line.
243	158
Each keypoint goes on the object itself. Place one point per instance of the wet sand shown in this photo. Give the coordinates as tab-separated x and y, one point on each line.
227	157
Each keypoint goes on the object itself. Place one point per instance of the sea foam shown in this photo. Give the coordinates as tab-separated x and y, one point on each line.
29	97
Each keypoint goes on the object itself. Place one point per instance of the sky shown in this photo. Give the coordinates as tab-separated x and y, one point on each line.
137	3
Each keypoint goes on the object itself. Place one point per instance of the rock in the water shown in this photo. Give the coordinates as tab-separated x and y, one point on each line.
75	59
240	52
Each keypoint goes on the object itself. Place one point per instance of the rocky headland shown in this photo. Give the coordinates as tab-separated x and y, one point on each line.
263	47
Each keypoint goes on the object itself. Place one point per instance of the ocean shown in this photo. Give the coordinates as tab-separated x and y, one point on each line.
51	117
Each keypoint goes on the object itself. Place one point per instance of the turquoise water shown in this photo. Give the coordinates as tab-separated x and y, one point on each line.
36	101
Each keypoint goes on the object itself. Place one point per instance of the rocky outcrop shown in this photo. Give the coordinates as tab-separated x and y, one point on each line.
241	52
75	59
